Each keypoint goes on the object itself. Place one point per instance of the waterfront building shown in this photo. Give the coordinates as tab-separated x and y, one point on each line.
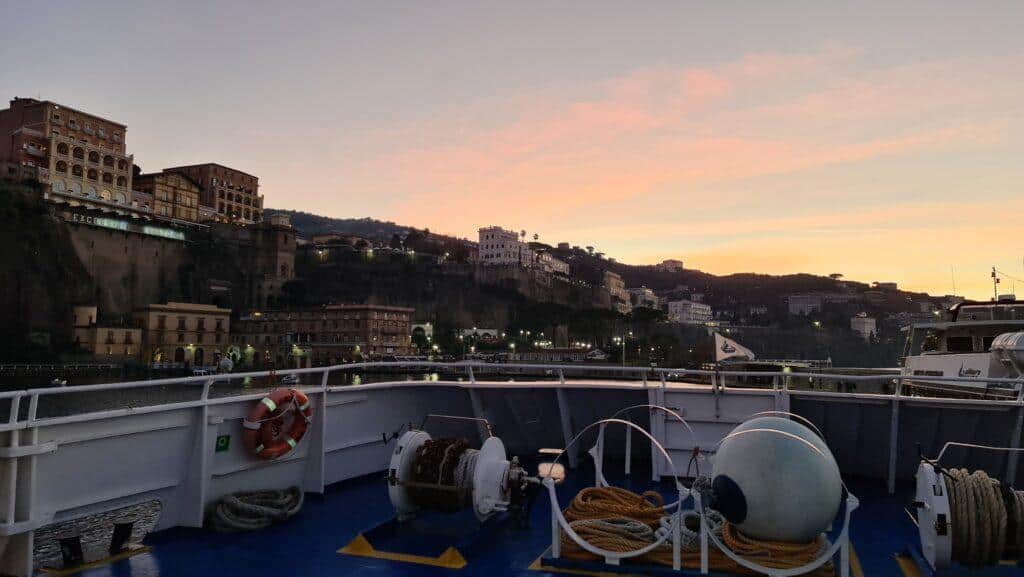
107	341
230	194
174	195
689	312
185	334
863	325
327	335
71	153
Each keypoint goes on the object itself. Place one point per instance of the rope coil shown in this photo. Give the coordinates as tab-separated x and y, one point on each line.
615	519
447	464
987	519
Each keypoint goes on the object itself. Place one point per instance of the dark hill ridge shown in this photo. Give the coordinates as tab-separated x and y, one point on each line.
725	290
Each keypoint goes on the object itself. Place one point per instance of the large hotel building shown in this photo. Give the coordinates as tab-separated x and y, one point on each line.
80	160
77	155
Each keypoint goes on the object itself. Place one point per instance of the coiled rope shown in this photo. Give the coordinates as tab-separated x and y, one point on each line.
615	519
987	519
447	465
254	510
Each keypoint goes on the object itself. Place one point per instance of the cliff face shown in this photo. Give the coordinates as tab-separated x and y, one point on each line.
41	277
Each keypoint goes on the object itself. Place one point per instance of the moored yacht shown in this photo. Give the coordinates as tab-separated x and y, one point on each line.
975	348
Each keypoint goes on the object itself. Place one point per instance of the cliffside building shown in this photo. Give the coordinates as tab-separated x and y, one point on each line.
230	194
77	156
174	195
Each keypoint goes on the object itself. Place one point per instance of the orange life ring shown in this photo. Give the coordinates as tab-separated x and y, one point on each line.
263	435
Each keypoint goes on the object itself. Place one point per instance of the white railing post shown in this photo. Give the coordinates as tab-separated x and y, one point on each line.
316	455
894	431
629	448
566	419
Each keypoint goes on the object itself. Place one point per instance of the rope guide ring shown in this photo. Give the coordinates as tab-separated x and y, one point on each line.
848	504
264	434
613	557
597	451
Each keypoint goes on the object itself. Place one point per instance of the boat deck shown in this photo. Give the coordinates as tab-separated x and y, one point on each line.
307	545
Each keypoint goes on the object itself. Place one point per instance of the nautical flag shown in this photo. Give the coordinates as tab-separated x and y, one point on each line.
730	349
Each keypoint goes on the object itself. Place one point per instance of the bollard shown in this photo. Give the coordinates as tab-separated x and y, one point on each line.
71	550
122	536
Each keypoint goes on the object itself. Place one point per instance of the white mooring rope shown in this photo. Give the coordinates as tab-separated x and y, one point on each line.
988	522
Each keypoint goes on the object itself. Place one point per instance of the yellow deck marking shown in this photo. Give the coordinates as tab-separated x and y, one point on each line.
538	565
131	552
908	566
360	547
858	571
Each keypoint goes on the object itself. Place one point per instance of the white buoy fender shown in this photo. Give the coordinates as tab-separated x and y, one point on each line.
774	486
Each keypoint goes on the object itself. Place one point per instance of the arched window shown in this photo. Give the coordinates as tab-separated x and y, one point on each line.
120	198
75	188
108	160
59	185
93	175
105	195
76	170
246	213
122	181
94	156
108	178
122	165
91	192
62	148
62	166
79	152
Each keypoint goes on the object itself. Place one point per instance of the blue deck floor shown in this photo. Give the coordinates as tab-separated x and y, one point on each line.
307	545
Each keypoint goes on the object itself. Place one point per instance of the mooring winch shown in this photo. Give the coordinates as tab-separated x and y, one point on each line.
967	518
447	475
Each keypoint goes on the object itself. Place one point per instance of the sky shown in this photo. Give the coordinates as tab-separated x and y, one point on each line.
882	141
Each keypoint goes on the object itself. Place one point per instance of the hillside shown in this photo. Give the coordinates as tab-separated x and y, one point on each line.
719	291
41	275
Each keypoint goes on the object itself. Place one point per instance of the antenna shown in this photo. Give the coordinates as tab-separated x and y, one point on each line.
952	275
995	285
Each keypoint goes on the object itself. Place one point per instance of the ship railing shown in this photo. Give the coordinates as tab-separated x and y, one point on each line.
95	411
23	405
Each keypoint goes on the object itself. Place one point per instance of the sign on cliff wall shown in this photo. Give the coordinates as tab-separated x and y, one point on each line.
125	226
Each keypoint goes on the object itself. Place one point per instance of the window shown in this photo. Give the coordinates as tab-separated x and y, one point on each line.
117	137
79	152
201	324
62	166
94	156
93	175
72	124
959	345
108	160
122	164
181	323
161	322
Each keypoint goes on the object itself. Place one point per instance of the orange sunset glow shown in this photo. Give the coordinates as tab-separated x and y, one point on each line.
805	140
